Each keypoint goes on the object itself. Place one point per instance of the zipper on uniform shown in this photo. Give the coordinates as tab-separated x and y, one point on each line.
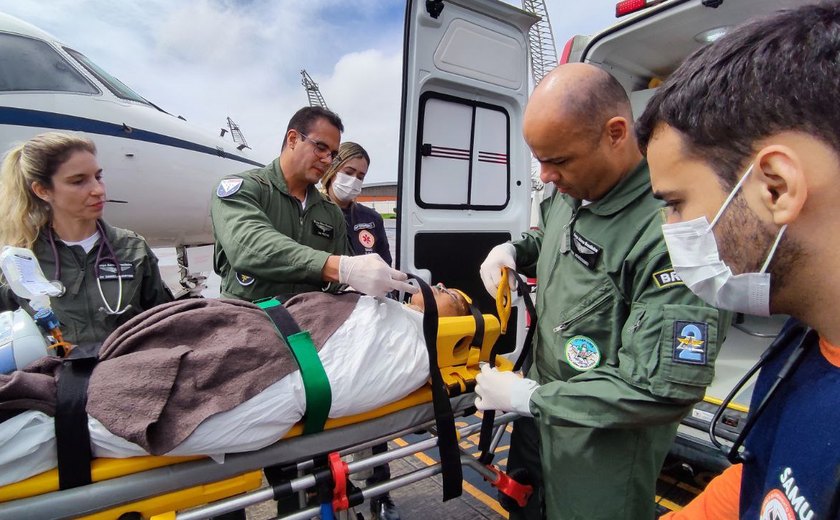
638	323
563	326
566	241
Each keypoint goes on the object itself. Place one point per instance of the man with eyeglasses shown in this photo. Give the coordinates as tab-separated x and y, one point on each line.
276	235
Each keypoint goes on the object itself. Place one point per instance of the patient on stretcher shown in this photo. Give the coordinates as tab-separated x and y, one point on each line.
209	377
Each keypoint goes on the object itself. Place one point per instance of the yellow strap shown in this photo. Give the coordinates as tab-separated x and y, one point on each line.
503	300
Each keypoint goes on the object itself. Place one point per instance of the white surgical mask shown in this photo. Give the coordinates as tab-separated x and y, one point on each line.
346	187
696	260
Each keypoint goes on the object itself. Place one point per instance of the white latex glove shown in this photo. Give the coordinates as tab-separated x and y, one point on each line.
369	274
505	391
503	255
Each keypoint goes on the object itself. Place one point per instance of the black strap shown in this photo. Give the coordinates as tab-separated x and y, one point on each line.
486	435
478	337
450	455
283	320
524	291
72	436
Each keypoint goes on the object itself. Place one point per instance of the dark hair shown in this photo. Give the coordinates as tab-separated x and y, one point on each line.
769	75
304	118
600	98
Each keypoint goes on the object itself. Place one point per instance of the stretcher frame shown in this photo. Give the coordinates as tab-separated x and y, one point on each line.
308	481
112	494
192	481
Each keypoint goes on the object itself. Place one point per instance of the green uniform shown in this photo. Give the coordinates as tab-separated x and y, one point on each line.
266	243
79	309
622	350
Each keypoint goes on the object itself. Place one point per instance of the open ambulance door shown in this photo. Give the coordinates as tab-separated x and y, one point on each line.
464	173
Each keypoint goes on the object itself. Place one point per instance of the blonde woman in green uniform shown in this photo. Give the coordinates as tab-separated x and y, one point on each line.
52	197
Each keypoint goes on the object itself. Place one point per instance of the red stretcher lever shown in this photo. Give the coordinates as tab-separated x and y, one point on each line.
516	491
339	471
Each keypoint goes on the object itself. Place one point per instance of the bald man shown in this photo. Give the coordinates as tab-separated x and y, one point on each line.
623	349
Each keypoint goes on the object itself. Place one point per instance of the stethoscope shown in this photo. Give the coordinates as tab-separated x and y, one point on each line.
111	258
734	454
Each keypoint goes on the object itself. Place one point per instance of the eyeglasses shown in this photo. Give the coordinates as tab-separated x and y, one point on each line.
321	149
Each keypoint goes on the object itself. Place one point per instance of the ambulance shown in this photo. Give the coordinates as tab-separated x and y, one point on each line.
465	171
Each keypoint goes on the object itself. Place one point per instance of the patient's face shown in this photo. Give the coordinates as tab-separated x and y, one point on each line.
449	302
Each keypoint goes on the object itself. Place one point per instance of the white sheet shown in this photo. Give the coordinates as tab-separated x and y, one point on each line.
376	357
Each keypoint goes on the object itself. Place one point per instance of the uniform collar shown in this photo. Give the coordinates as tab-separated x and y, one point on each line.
628	189
110	233
278	180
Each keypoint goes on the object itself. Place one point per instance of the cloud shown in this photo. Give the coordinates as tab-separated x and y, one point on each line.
210	59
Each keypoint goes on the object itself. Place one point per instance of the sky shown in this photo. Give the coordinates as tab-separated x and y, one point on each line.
207	60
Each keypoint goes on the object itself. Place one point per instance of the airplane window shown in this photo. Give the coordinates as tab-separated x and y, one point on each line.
116	86
28	64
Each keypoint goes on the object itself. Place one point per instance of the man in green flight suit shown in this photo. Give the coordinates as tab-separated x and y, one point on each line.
276	234
622	348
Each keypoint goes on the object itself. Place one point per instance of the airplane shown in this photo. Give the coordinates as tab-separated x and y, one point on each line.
159	170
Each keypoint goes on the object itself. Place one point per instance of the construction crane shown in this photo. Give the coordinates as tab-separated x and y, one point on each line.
312	91
236	134
543	58
540	41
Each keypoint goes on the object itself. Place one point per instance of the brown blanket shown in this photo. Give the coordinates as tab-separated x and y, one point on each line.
168	369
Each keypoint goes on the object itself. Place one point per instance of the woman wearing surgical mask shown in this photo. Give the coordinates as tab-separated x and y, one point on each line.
343	183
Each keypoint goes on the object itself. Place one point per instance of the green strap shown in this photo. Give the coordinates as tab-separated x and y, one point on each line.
316	385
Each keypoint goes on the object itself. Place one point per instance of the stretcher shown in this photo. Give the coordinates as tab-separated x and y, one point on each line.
159	487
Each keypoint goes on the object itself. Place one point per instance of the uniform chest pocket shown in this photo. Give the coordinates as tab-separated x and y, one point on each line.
579	316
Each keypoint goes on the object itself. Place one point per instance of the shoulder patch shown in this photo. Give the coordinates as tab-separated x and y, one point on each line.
690	342
667	278
244	280
228	187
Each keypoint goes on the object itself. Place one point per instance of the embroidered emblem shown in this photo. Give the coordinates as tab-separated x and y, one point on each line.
228	187
244	280
322	229
582	353
367	239
363	225
667	278
690	342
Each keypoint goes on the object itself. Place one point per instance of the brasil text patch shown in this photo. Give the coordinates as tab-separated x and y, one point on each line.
667	278
691	340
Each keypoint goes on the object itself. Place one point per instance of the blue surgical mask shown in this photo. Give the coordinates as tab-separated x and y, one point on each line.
696	260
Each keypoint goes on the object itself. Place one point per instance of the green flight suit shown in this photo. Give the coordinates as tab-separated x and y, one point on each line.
80	308
622	350
266	243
